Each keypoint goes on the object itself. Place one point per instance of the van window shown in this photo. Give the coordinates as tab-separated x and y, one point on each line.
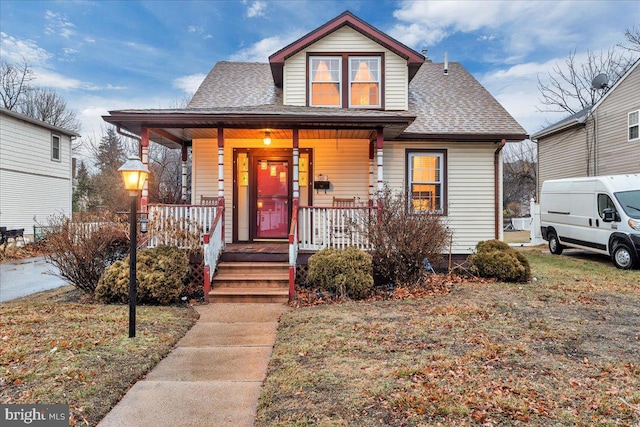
630	202
604	202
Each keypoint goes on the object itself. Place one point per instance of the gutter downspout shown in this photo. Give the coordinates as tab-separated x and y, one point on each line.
132	136
496	189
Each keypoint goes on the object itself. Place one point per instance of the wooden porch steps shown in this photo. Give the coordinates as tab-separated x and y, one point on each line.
241	281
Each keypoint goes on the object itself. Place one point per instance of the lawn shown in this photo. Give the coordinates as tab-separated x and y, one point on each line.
55	349
561	351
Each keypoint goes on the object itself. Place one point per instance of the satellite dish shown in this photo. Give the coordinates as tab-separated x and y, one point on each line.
600	81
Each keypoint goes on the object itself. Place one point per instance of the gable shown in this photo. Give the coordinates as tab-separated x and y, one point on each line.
347	40
277	60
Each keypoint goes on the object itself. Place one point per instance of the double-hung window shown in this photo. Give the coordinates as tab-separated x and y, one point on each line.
55	148
426	180
325	82
634	125
345	80
364	82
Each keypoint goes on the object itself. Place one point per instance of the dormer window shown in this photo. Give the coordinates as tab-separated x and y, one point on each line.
353	80
364	82
326	85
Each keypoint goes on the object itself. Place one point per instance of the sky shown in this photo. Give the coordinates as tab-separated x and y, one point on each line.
112	55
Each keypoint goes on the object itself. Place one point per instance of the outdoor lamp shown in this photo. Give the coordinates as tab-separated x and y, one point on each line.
267	137
134	173
144	225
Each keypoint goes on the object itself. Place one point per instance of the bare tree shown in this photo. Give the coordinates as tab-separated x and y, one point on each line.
519	176
633	39
165	181
569	86
45	104
14	83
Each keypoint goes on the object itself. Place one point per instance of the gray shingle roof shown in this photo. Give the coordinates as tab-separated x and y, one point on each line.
453	104
573	119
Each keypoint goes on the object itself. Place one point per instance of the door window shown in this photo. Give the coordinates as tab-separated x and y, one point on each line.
605	202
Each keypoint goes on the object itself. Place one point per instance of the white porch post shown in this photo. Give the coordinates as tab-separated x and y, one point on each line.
379	145
371	171
184	174
296	170
144	155
220	166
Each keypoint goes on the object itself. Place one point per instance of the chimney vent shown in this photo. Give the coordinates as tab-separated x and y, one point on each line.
446	63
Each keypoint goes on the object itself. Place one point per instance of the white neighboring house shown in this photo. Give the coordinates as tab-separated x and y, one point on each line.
35	171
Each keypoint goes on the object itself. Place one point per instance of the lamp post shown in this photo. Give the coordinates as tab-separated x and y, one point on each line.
134	173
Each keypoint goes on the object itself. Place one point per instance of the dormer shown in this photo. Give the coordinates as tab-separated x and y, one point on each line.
346	63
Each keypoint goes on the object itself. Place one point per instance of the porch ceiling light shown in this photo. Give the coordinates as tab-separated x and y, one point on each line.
267	137
134	173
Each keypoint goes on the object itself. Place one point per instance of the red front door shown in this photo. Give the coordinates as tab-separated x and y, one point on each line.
272	201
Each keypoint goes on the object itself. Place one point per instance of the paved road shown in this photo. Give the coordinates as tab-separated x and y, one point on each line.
26	277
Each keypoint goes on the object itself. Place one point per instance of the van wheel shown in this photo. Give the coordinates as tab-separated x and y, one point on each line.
554	245
623	257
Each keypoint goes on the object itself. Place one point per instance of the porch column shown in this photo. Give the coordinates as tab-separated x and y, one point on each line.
371	171
144	155
296	170
379	144
220	166
184	174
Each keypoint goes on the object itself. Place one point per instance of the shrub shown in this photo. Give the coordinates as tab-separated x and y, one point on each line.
81	249
161	274
345	272
496	259
402	239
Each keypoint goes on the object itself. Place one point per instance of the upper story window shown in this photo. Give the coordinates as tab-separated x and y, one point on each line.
352	80
426	180
634	125
326	84
364	82
55	148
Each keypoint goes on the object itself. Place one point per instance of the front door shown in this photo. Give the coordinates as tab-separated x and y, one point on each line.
272	198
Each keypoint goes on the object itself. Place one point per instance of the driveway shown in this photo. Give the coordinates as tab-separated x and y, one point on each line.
26	277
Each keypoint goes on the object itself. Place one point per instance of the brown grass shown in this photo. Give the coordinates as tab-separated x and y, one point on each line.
57	350
563	350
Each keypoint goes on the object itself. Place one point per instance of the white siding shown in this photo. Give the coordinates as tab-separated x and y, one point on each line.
31	184
347	40
470	188
616	155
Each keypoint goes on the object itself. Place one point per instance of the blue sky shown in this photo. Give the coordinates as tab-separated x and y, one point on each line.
109	55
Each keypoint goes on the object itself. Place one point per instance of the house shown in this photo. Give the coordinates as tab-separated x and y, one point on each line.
599	140
339	113
35	171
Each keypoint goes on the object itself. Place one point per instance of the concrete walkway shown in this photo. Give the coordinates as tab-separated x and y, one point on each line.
212	378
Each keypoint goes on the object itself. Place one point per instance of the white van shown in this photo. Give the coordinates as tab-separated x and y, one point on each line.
598	213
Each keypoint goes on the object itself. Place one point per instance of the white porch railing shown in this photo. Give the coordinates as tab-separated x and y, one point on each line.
195	218
214	244
329	227
293	250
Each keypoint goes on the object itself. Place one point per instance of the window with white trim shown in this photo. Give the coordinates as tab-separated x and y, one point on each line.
634	125
364	82
55	148
426	180
325	84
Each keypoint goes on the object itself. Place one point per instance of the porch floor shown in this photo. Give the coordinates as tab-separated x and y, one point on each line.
256	252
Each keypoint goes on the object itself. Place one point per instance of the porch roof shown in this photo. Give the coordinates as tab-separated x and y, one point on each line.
174	127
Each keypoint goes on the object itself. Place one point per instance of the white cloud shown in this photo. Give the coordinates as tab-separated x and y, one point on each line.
261	50
190	83
194	29
14	50
57	23
256	9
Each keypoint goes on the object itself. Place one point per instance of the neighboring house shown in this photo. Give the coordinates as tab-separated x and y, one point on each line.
599	140
340	112
35	171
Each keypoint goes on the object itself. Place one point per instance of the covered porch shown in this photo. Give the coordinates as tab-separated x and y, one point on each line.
265	178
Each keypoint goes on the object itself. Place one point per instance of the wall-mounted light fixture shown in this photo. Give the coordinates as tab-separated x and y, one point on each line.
267	137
